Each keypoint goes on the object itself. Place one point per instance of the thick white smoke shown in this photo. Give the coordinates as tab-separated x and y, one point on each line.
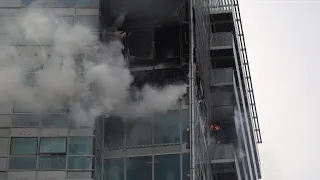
74	71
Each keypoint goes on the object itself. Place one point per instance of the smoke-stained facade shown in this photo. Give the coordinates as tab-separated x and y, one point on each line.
211	133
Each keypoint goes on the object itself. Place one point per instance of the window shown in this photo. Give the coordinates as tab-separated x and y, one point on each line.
185	118
53	145
81	146
91	22
57	120
139	132
52	163
67	19
50	3
139	168
76	162
24	146
114	169
114	132
167	167
87	3
3	175
25	120
185	166
167	128
22	163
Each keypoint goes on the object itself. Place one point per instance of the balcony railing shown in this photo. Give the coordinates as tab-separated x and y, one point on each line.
221	40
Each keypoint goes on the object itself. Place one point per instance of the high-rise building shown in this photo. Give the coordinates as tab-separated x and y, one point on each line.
44	146
211	134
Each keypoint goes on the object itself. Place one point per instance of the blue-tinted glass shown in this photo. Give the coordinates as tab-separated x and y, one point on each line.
22	163
53	145
60	120
139	132
114	169
79	162
25	120
81	146
114	132
167	167
185	166
50	163
139	168
185	116
167	127
49	3
91	22
24	146
87	3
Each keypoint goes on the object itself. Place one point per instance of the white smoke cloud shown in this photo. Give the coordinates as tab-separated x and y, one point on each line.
75	71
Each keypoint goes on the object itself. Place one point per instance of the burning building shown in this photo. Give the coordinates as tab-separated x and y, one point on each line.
186	60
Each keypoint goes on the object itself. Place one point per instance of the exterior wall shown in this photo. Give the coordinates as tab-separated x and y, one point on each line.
47	145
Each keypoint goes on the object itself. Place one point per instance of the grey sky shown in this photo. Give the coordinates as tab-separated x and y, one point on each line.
283	47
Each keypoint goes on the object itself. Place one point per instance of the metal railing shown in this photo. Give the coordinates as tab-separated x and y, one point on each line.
220	5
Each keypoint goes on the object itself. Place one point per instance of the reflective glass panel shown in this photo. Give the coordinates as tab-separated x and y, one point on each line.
81	146
53	145
80	162
114	132
185	166
58	120
114	169
167	127
25	120
87	3
139	132
139	168
24	146
91	22
50	163
22	163
49	3
167	167
185	116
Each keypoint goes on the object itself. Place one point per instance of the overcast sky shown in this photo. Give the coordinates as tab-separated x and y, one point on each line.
283	49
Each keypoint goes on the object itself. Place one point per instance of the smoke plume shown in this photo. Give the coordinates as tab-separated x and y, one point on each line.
66	67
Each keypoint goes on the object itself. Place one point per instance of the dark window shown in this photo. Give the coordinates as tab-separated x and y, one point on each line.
24	146
114	169
167	128
139	132
167	167
139	168
114	132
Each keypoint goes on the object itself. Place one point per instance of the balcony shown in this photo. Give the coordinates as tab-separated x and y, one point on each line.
221	40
